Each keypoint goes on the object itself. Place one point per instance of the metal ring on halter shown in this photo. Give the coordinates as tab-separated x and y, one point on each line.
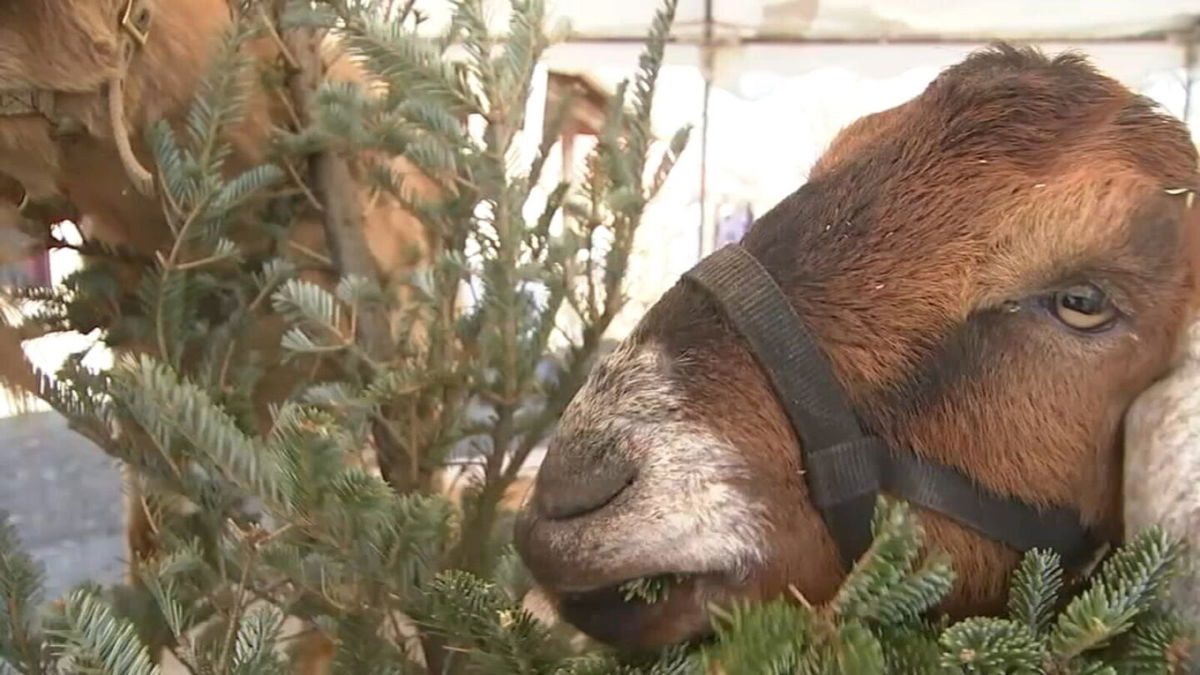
135	20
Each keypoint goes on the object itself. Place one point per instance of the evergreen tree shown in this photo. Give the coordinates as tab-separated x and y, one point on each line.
257	527
878	621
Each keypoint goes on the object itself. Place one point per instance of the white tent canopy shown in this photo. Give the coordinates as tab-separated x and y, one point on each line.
880	39
870	20
749	33
890	19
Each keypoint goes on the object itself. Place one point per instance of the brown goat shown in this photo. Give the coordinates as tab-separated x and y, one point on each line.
72	48
995	269
67	162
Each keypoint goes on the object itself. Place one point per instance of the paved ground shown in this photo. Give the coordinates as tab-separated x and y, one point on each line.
63	496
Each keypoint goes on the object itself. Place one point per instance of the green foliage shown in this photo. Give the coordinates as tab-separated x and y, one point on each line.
493	634
1129	580
648	589
90	638
885	585
875	624
255	385
989	645
772	638
21	642
1035	592
1156	644
254	649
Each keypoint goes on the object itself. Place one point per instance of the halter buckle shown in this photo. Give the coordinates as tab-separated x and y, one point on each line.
135	20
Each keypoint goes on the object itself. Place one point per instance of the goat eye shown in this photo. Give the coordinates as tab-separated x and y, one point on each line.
1084	307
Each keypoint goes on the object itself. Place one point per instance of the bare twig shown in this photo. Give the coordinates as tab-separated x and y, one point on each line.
308	193
336	191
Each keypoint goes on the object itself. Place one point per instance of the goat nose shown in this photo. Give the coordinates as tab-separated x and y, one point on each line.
576	479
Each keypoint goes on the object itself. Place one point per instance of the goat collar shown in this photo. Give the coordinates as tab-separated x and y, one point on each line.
134	25
846	469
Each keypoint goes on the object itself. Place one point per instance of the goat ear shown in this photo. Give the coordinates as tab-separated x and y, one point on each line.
1162	462
1191	238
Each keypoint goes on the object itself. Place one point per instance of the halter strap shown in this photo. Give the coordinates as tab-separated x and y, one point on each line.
133	30
845	469
23	102
133	26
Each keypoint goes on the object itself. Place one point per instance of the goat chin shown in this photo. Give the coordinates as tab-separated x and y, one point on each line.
1162	464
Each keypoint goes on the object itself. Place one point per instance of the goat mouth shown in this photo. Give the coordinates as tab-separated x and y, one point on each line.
647	612
633	593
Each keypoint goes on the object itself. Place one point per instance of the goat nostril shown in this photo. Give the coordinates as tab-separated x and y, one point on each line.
575	491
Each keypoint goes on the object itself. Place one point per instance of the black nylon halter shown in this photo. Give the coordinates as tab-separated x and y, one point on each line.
845	468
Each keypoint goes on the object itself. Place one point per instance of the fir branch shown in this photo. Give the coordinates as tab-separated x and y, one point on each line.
249	183
985	645
173	169
411	64
221	99
1160	643
21	579
361	648
649	64
1128	582
911	648
257	634
498	636
671	661
165	595
522	50
883	585
771	638
92	638
1035	590
855	649
165	405
310	308
650	590
670	157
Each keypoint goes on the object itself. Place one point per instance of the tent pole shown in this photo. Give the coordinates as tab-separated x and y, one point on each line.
704	169
707	64
1189	70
